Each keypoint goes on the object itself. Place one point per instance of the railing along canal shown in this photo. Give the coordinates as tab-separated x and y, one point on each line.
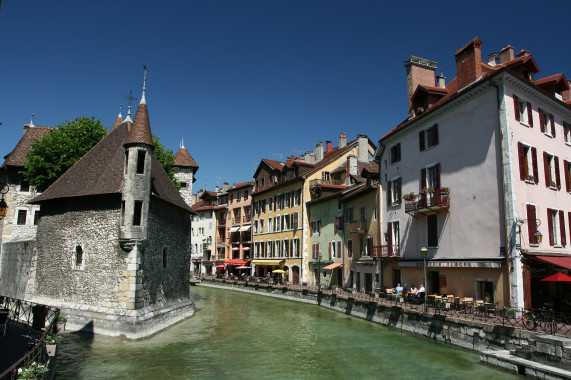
538	320
40	318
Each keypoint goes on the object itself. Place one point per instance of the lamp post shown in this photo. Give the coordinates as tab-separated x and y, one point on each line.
318	272
424	253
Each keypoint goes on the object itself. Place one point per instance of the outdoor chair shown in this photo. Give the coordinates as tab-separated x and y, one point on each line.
4	321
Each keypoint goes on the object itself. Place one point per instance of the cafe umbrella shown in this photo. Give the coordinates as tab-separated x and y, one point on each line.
560	278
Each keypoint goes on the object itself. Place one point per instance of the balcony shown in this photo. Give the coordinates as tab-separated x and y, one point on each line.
386	251
427	202
236	220
357	227
246	219
329	182
221	222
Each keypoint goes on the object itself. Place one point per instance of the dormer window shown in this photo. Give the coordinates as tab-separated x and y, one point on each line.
141	161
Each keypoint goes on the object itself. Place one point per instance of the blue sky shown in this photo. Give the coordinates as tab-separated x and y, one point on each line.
244	80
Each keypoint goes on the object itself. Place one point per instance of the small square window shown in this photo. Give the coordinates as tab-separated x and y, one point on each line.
21	217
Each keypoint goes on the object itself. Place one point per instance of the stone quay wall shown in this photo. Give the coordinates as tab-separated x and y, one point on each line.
18	268
471	335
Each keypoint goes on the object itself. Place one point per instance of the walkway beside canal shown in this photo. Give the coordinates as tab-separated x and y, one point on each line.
491	337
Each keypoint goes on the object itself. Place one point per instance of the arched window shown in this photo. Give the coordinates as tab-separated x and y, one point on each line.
165	258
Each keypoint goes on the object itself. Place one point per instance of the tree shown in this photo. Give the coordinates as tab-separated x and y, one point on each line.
58	150
166	159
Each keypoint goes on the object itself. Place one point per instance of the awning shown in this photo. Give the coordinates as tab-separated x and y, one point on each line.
233	229
235	262
245	248
267	262
333	266
564	262
322	262
235	248
245	228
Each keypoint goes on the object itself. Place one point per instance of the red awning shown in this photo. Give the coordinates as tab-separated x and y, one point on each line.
235	262
564	262
333	266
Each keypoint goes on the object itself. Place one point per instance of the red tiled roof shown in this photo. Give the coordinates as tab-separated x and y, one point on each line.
240	185
140	132
17	157
555	78
117	122
202	205
273	164
183	159
100	171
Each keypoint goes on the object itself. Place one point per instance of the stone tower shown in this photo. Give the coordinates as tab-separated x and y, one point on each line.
136	193
186	168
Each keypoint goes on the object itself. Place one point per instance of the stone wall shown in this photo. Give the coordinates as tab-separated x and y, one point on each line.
168	231
92	225
18	267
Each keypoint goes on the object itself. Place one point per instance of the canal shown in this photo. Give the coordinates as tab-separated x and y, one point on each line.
236	335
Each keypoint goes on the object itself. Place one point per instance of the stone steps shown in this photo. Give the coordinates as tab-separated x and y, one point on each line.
515	364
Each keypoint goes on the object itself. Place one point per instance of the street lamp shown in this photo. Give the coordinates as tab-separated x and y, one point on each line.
424	253
318	272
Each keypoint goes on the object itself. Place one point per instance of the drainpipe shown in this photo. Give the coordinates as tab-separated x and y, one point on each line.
513	257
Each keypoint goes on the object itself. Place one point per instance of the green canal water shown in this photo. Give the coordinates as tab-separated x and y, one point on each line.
236	335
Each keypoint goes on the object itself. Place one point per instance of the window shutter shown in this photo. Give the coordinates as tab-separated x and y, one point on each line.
566	169
398	152
529	115
550	226
541	120
437	181
398	196
531	224
557	177
521	155
421	140
329	250
389	193
390	238
339	249
435	135
422	179
552	122
534	164
311	228
546	169
369	246
319	226
335	225
562	228
516	107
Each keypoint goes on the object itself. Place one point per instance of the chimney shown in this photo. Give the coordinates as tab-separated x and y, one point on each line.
418	71
225	187
350	169
318	151
342	141
507	54
328	146
363	148
468	63
217	189
493	59
310	158
441	80
522	52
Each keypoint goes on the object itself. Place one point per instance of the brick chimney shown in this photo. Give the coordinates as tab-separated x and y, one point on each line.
507	54
328	146
318	151
522	52
468	63
418	71
342	141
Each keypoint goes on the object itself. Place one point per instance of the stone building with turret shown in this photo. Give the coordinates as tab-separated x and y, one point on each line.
113	238
185	171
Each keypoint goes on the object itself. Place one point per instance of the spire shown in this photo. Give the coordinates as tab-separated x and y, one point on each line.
140	132
32	122
143	101
130	98
119	119
128	117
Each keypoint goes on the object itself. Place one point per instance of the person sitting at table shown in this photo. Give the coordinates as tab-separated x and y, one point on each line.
420	292
406	288
399	289
414	290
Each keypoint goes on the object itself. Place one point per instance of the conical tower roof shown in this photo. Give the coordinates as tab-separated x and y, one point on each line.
183	159
140	132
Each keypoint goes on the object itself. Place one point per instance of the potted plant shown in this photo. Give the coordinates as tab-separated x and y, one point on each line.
444	189
32	371
51	343
60	323
408	197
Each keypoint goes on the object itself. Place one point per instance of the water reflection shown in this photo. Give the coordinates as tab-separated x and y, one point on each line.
242	336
